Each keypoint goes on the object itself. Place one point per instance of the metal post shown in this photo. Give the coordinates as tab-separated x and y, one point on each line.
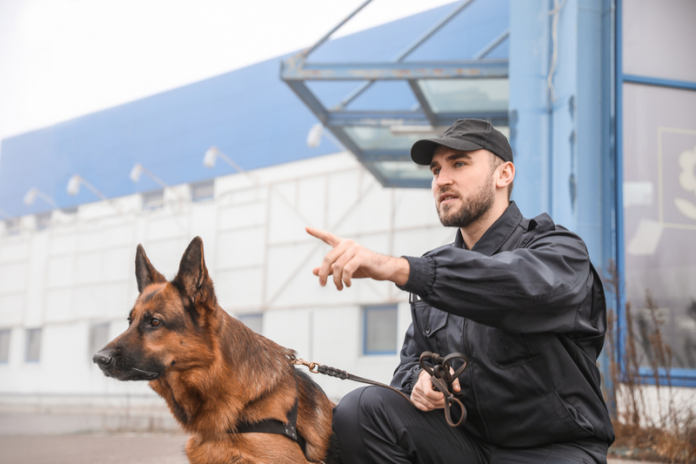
407	51
337	27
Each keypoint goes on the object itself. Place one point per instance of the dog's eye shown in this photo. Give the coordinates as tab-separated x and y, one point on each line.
155	322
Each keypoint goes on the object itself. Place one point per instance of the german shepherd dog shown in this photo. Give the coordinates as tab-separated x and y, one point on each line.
215	374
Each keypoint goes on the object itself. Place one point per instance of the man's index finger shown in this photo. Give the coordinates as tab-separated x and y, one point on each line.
326	237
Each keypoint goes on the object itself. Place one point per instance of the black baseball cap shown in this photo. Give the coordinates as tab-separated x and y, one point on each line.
464	135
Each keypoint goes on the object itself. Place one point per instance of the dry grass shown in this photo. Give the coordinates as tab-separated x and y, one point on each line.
664	430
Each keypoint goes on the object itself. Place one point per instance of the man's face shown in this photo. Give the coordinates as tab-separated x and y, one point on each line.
463	185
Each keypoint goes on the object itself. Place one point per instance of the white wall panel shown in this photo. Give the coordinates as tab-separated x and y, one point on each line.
109	301
12	277
284	267
105	237
103	266
415	208
36	277
11	309
13	250
241	248
242	216
61	270
162	226
371	212
59	305
57	355
62	242
311	196
343	190
285	222
239	289
290	329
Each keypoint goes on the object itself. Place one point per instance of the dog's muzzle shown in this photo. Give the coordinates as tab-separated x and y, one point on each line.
114	365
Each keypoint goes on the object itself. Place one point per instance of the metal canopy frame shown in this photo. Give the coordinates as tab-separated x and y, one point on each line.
296	71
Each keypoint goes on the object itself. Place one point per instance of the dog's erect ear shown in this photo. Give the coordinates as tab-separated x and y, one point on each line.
145	272
193	275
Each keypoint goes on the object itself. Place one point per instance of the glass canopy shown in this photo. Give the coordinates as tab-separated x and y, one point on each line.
468	95
378	109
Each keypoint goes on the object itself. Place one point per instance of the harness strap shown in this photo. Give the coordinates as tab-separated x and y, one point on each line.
287	429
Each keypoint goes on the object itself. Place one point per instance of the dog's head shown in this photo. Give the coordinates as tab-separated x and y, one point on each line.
169	322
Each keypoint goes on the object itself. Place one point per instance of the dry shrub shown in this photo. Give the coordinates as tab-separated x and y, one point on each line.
666	433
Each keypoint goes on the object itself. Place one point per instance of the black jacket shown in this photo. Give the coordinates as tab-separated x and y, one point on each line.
527	308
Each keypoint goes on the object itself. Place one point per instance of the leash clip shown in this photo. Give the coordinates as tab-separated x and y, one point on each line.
312	366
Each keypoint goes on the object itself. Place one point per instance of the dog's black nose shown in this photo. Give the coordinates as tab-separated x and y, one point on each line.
103	358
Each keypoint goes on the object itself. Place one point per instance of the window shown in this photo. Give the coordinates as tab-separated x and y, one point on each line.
202	191
153	200
379	329
656	145
43	220
4	346
253	321
98	338
33	353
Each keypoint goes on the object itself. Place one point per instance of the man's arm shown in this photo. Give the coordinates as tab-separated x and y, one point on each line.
533	289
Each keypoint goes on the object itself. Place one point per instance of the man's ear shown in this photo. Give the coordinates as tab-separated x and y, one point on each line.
145	272
507	175
193	275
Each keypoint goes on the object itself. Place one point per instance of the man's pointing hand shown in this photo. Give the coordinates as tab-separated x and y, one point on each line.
349	260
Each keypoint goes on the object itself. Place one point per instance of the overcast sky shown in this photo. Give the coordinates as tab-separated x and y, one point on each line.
60	59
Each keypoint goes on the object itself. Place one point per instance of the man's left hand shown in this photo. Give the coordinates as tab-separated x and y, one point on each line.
349	260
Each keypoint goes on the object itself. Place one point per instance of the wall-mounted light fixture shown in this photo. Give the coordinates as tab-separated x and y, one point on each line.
35	193
316	132
74	187
138	170
211	156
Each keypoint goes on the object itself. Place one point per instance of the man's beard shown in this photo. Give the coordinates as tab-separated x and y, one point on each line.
471	210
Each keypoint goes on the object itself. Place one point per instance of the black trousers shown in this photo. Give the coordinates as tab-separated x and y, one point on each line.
375	425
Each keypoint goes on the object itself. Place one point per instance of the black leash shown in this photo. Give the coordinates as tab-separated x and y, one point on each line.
440	374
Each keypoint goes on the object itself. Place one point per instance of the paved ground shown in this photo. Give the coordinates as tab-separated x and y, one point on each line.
93	449
36	438
100	449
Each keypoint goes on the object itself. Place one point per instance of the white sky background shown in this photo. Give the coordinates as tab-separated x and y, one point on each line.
60	59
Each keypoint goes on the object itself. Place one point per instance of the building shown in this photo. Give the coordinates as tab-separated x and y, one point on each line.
595	96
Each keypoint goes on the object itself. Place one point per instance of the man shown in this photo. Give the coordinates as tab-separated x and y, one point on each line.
519	297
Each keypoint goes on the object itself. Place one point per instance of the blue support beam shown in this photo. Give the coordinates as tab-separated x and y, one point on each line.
562	138
409	118
296	69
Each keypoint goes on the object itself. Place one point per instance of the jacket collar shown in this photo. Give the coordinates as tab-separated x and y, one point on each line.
497	234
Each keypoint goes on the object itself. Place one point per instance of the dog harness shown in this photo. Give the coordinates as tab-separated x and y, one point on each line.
287	429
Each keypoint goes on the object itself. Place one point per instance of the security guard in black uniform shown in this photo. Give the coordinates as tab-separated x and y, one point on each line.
519	297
